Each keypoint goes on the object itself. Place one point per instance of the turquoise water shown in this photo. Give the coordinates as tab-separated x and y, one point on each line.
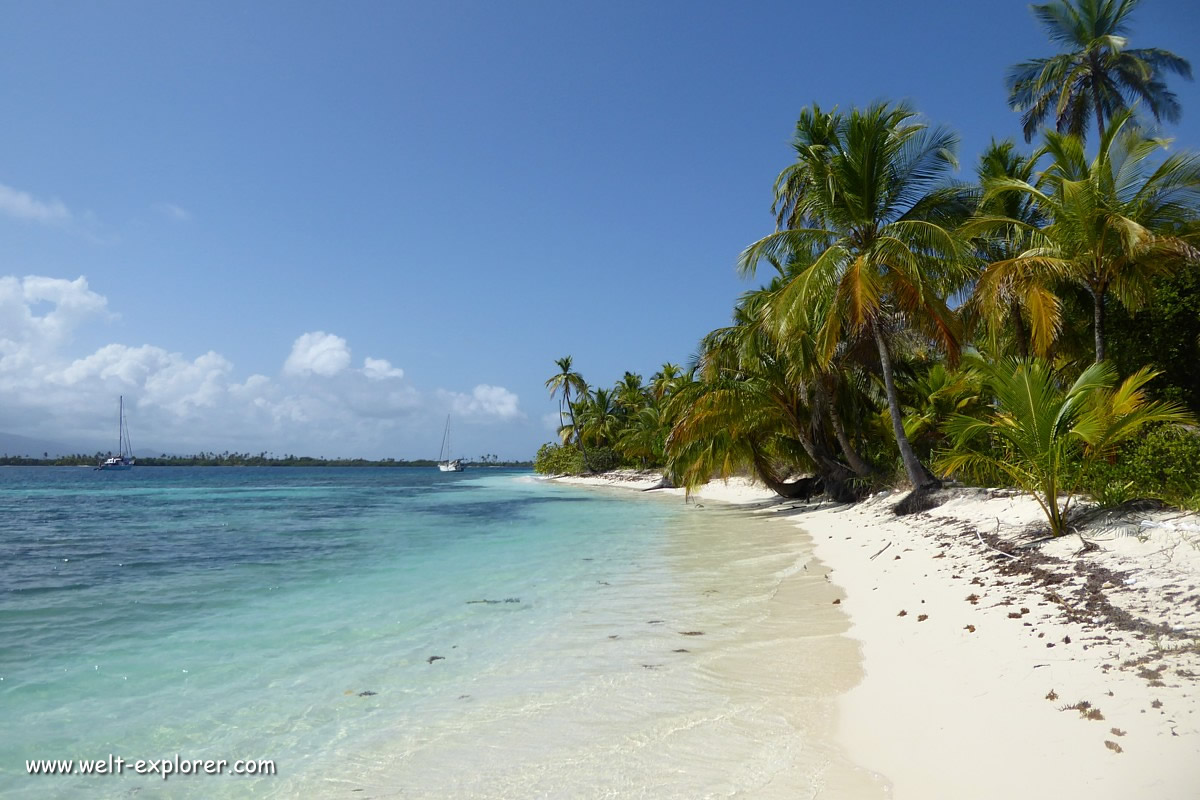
225	613
415	633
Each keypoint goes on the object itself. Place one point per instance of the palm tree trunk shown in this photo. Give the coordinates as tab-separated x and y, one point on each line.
835	484
1098	322
1096	70
860	467
575	427
920	477
1019	330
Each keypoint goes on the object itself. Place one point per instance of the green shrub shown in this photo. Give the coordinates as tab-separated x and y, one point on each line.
556	459
603	459
1164	463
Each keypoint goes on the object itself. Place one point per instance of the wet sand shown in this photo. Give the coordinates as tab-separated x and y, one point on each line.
1063	672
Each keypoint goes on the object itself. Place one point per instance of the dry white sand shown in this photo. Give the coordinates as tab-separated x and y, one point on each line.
1057	674
740	491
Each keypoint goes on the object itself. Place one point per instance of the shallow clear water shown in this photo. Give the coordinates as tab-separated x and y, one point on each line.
403	633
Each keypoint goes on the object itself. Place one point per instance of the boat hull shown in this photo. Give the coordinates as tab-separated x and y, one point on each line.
453	466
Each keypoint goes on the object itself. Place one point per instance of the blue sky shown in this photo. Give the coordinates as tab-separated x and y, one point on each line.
318	228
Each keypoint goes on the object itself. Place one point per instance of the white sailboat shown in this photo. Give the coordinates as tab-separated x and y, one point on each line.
445	462
124	457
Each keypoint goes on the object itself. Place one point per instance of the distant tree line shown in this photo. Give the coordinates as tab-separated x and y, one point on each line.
228	459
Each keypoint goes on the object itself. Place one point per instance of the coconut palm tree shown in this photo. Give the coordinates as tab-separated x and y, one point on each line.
1038	434
867	207
665	381
757	406
1113	222
644	436
936	395
1098	76
566	380
600	417
629	392
1021	302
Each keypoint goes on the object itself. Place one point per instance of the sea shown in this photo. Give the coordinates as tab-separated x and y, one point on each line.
407	633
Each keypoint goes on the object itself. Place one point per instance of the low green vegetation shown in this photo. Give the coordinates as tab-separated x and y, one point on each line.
1162	463
1043	437
1038	327
558	459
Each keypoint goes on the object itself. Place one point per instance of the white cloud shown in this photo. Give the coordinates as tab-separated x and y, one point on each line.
378	369
29	331
118	366
317	404
24	206
182	385
173	212
317	353
486	401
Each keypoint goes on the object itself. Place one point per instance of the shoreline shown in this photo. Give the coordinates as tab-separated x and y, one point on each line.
1069	673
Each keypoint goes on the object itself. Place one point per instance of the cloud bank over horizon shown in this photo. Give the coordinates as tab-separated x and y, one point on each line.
321	402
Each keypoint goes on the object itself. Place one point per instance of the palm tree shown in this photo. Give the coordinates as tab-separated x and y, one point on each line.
1113	221
600	417
758	405
867	208
936	396
665	381
1037	434
630	395
567	380
644	437
1097	75
1022	301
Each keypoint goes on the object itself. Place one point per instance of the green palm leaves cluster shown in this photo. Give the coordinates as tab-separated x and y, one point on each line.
1040	435
885	270
870	227
628	421
1098	76
1108	224
763	402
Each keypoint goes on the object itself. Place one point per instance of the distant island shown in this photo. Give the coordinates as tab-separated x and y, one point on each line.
228	459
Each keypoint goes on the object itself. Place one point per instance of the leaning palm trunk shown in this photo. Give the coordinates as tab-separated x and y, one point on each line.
575	429
920	477
800	489
579	443
836	477
856	462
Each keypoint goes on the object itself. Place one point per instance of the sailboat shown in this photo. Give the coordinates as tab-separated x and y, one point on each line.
124	457
445	462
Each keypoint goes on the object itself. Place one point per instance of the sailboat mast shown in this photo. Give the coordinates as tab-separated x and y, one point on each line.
120	424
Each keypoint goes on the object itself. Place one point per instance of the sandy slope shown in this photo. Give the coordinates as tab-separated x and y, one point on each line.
973	659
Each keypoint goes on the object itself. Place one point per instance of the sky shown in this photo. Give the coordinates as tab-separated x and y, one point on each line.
319	228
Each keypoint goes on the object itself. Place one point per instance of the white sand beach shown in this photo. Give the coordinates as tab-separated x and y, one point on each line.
1063	672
